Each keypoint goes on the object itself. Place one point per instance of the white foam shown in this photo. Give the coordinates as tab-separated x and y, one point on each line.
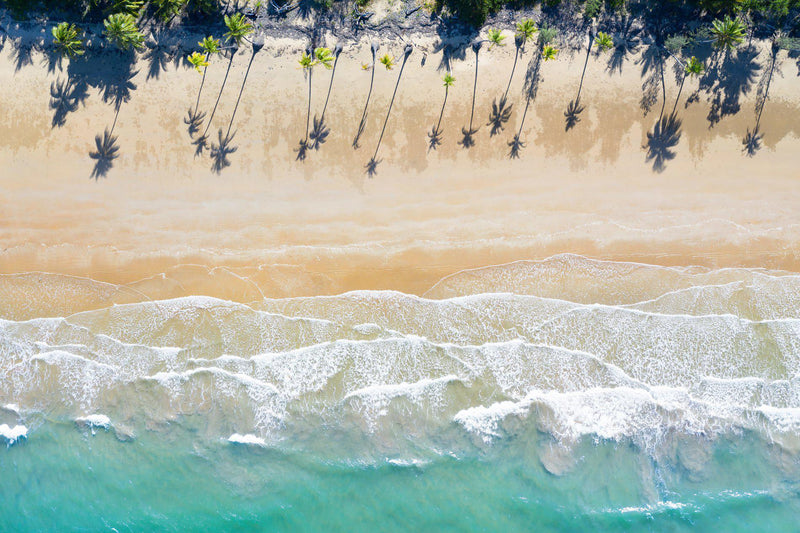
14	408
12	435
248	439
95	421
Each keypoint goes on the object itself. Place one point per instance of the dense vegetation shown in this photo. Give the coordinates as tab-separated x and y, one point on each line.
761	13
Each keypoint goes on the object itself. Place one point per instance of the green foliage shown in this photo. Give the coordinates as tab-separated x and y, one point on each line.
603	41
676	43
166	10
788	43
546	35
131	7
306	61
720	6
121	29
198	60
775	11
727	33
387	61
496	38
694	67
448	80
209	45
67	40
238	28
525	30
473	12
549	52
592	8
324	57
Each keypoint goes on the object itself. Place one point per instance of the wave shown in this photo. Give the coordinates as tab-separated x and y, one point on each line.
13	434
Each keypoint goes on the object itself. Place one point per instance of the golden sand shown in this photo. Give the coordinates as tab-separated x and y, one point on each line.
162	224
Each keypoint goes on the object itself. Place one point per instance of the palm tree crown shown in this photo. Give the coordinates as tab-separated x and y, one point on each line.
496	37
198	60
448	80
694	67
728	33
387	61
209	45
324	57
306	61
549	52
67	40
121	29
238	28
526	29
603	41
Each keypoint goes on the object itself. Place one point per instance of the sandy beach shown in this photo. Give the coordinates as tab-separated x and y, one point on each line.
162	224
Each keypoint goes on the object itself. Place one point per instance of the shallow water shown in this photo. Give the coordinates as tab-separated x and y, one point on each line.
565	395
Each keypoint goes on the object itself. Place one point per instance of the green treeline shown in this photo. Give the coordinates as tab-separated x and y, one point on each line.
769	15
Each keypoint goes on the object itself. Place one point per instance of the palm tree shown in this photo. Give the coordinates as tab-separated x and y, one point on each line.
362	124
603	42
727	33
307	63
435	136
210	46
238	28
467	141
320	131
121	29
501	114
198	60
549	52
525	30
372	165
387	61
496	38
546	35
220	152
67	41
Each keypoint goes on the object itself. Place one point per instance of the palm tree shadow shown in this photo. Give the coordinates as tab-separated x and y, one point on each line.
302	150
372	167
105	154
732	76
662	140
752	141
573	114
516	144
157	58
434	138
319	132
500	115
221	151
194	120
532	80
65	98
626	43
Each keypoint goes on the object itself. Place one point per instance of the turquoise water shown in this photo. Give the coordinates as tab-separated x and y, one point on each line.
632	399
68	480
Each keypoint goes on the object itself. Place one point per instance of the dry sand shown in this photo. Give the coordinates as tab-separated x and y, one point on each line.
163	224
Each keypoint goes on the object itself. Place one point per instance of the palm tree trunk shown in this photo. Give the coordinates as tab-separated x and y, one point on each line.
203	82
444	103
308	112
585	63
677	98
474	91
363	121
511	77
391	103
241	90
224	80
330	86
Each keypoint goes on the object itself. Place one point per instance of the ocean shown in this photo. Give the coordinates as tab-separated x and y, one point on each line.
565	395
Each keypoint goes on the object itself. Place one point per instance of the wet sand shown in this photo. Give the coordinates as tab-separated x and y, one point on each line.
162	224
